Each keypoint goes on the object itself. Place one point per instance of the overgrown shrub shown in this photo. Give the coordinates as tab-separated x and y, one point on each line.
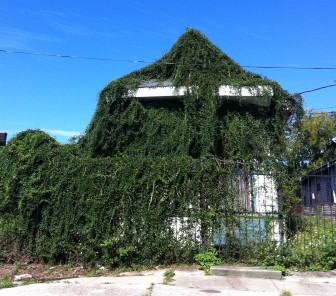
118	211
206	260
312	247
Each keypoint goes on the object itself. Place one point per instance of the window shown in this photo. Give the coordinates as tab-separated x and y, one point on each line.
318	187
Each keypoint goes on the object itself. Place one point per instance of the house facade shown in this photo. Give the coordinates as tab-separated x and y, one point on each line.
196	102
319	186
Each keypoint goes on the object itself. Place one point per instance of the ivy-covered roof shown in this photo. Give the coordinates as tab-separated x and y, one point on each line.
191	126
191	60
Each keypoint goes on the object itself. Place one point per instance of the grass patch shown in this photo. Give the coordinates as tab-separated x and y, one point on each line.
168	276
206	260
4	283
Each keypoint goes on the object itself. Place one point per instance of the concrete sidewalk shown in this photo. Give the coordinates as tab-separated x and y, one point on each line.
189	282
195	283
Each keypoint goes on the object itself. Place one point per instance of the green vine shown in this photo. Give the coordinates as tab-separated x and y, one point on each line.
196	124
148	182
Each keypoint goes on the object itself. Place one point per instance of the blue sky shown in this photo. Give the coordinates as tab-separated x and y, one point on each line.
59	95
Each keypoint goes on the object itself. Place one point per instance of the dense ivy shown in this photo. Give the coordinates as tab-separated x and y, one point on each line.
196	124
142	171
117	211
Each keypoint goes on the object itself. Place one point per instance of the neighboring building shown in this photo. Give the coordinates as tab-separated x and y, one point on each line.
3	138
319	186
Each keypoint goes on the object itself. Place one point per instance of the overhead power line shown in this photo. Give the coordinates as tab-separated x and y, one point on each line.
320	112
149	62
315	109
71	56
291	67
315	89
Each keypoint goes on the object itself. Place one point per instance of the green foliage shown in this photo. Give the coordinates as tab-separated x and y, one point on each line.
200	122
311	247
206	260
168	276
281	268
245	137
314	247
116	211
310	141
328	257
148	182
5	284
7	238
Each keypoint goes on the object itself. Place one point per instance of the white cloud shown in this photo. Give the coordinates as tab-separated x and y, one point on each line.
21	39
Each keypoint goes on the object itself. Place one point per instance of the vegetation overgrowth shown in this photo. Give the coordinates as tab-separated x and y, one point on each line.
206	260
4	283
57	205
168	276
148	183
311	246
200	123
312	142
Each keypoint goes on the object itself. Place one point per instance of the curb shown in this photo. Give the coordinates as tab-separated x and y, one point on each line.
251	272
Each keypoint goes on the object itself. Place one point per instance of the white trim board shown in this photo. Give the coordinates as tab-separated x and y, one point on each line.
256	95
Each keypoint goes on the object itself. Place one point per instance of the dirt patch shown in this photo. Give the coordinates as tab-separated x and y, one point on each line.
6	270
41	272
45	272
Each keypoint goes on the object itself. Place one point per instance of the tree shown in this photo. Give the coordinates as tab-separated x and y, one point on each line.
311	142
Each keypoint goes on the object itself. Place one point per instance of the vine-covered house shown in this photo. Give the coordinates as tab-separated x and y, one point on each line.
178	156
195	101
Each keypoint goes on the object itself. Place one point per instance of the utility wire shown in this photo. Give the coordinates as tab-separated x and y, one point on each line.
321	112
71	56
149	62
314	109
291	67
315	89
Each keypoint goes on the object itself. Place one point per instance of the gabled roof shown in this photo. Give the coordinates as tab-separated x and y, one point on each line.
192	61
191	92
321	170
